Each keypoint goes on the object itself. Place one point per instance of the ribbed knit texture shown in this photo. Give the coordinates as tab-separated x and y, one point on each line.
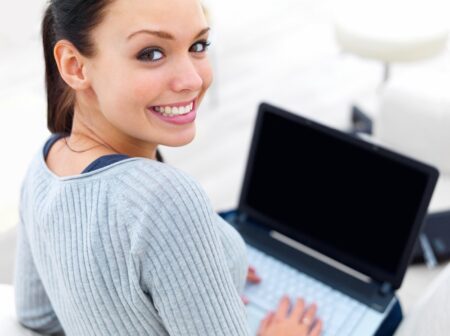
133	248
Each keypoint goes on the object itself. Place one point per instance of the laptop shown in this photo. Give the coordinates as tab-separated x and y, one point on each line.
331	218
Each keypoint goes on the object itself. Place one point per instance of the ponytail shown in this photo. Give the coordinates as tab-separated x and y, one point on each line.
72	20
60	97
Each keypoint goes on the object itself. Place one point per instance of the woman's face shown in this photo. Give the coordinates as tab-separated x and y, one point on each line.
150	71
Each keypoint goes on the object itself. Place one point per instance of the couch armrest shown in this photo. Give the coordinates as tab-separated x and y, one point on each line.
429	317
8	320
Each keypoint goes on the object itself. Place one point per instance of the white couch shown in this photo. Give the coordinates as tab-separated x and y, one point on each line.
414	119
8	320
429	317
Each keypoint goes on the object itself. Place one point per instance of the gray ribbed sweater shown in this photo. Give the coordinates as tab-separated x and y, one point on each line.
133	248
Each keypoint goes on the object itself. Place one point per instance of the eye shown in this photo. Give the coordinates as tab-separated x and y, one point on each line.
150	55
200	46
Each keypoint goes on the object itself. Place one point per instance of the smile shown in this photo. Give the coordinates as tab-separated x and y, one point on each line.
171	111
182	113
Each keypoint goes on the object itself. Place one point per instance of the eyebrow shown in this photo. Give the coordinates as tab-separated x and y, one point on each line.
165	35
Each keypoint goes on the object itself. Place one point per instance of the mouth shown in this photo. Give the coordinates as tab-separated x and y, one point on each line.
174	110
176	114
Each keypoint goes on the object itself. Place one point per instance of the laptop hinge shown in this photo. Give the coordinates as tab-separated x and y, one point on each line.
385	289
319	256
241	217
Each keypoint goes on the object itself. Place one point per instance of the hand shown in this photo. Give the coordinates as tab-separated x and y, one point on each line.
300	322
252	277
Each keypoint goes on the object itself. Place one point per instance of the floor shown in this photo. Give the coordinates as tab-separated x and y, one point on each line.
284	54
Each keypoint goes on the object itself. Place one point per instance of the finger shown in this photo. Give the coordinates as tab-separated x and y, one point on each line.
308	317
317	328
283	308
265	323
252	277
245	299
298	310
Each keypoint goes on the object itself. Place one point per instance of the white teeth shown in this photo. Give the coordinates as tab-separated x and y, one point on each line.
168	111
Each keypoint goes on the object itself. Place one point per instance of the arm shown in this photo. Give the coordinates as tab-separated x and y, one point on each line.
183	267
33	307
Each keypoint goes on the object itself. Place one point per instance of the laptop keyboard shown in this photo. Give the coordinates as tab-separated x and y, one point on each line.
339	312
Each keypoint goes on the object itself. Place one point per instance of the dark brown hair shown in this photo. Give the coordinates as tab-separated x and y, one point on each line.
72	20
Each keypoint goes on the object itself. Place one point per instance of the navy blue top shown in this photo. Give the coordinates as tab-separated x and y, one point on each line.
101	162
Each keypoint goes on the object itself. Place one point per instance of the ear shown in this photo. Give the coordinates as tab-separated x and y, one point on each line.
70	65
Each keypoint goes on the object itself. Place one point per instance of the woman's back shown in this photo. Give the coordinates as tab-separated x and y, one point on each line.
131	248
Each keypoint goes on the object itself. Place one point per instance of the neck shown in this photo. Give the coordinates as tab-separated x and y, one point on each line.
88	132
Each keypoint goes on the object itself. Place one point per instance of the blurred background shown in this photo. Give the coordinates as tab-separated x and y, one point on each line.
322	59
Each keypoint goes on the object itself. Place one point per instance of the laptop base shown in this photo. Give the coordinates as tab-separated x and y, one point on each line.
382	321
388	326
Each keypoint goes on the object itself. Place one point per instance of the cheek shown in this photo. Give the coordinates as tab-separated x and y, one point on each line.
106	85
144	87
127	91
116	97
206	73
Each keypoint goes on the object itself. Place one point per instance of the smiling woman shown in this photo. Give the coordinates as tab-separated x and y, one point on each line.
113	242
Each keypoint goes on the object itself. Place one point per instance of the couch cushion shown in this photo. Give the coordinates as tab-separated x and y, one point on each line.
8	320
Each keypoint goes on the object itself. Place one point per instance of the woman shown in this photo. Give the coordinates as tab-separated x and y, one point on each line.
112	241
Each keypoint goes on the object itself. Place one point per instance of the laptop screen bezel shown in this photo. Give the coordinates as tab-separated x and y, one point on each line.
374	272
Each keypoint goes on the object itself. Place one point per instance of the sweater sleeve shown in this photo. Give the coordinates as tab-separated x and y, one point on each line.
33	307
182	264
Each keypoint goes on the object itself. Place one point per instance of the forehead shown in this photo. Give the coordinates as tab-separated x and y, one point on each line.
182	18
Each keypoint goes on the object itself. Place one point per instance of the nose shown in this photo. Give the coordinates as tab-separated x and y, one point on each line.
186	76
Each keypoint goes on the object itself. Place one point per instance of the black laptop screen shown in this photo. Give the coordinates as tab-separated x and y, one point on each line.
343	197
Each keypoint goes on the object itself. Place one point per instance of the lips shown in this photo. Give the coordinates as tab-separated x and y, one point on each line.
178	113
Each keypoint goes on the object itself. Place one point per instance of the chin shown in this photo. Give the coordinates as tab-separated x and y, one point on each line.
180	139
